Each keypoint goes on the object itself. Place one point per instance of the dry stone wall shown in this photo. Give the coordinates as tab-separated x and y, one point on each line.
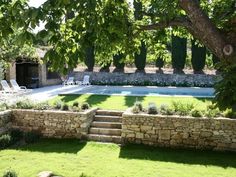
185	80
5	121
173	131
56	124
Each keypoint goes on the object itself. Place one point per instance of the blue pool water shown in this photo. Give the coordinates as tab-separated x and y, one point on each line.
148	91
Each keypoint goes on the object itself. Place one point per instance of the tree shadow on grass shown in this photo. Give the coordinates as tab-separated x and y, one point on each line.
72	146
94	100
69	98
130	100
192	157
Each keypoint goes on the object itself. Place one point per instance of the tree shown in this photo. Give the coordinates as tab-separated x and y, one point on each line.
179	53
140	56
198	57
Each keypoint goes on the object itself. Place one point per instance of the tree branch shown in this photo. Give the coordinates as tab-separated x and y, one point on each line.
176	22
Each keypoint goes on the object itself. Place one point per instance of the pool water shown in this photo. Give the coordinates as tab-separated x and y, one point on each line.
148	91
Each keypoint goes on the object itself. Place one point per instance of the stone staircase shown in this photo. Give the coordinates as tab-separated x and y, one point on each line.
106	127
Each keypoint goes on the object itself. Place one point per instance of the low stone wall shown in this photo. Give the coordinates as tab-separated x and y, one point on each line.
56	124
185	80
174	131
5	121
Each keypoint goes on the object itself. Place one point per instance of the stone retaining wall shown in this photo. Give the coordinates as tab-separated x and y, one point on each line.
56	124
185	80
174	131
5	121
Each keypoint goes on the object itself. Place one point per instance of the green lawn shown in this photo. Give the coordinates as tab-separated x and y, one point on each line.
123	102
71	158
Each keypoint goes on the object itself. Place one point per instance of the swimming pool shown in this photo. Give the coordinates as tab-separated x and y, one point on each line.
148	91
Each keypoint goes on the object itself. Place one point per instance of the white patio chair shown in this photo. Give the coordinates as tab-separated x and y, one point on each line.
69	81
85	81
6	89
18	88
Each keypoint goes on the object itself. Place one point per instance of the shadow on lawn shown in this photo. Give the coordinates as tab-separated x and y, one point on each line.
71	146
191	157
93	100
69	98
130	100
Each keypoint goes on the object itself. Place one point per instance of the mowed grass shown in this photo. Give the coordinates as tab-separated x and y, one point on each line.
71	158
124	102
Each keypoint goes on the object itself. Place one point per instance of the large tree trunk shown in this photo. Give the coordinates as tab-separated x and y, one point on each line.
203	29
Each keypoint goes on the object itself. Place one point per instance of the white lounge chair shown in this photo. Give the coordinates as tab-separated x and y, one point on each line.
85	81
18	88
6	89
69	81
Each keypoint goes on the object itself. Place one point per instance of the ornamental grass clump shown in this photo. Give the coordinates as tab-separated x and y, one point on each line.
5	141
10	173
25	104
182	109
196	113
137	108
152	108
85	106
166	110
64	107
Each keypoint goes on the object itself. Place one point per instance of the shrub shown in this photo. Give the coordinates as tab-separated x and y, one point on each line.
160	62
152	108
42	106
166	110
25	104
135	109
198	57
179	53
140	58
75	104
139	105
16	135
90	56
3	106
75	109
182	109
196	113
10	173
118	61
85	106
229	113
32	137
64	107
58	104
212	111
5	141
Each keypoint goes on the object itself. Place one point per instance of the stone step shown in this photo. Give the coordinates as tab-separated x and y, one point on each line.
104	138
106	118
105	131
109	112
99	124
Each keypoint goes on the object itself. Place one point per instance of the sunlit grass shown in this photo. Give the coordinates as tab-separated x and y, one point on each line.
71	158
123	102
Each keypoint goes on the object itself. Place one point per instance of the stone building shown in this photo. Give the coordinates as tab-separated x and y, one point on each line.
31	73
